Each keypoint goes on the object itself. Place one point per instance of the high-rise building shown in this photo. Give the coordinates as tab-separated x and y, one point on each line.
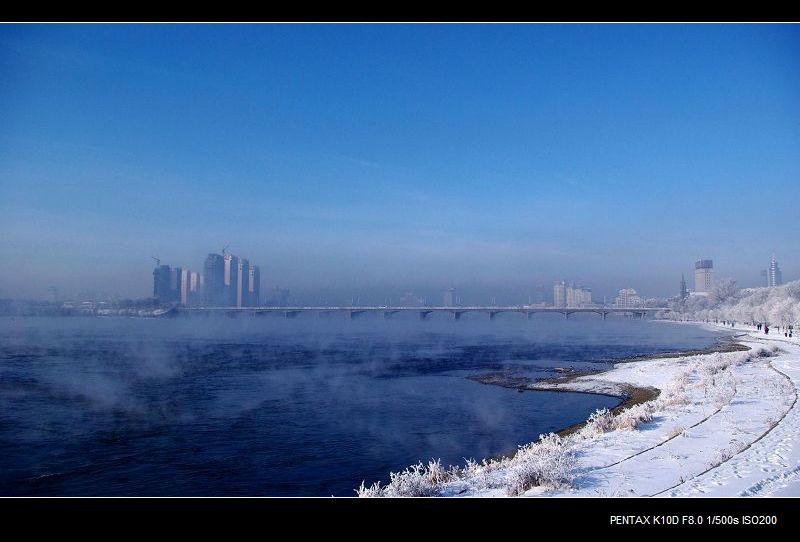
585	297
627	298
231	279
254	287
560	294
174	281
684	291
450	297
162	284
570	291
213	281
703	276
185	277
195	286
228	258
578	296
242	277
775	275
764	278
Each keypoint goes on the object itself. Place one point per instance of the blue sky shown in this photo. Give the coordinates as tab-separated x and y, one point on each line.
371	160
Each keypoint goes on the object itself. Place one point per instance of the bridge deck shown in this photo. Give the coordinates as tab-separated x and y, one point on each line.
491	310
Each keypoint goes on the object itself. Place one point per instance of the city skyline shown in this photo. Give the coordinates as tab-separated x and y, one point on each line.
230	280
361	160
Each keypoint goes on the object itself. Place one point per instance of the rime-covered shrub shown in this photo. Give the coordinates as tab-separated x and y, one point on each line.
480	475
720	387
724	454
375	490
674	432
674	393
415	481
633	417
548	463
601	421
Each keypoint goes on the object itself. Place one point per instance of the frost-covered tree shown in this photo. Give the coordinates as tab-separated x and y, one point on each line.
723	290
779	305
695	304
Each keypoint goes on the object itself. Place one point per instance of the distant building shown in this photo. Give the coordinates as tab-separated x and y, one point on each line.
254	287
242	277
450	297
703	276
684	291
764	278
560	294
195	288
231	279
627	298
279	297
184	286
775	275
162	289
578	296
214	281
175	283
408	299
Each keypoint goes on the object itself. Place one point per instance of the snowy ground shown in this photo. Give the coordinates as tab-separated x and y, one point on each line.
742	443
724	424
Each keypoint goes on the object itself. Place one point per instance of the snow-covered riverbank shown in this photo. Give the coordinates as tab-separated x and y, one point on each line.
734	434
724	424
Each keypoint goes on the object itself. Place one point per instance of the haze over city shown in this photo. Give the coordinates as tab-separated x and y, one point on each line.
368	161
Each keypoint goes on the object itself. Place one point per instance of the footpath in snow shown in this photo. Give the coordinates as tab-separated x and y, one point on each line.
724	424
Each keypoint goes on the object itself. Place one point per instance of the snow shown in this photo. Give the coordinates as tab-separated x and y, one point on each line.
724	424
743	444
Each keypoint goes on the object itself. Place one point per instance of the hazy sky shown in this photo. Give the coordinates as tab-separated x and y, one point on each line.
369	160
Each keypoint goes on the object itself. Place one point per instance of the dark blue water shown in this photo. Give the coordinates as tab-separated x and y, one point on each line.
264	406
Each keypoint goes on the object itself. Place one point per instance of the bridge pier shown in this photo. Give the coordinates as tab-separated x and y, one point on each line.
604	314
290	314
353	314
566	315
424	314
492	314
388	314
529	315
457	315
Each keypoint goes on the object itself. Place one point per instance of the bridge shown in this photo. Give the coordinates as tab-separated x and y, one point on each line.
423	312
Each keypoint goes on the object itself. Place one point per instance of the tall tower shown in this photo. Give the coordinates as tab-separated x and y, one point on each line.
560	294
161	284
450	297
775	275
703	276
254	287
214	281
242	278
184	287
231	279
684	290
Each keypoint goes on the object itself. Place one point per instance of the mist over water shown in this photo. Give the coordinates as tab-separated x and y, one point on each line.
267	406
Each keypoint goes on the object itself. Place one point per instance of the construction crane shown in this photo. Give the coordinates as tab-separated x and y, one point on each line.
158	260
225	248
